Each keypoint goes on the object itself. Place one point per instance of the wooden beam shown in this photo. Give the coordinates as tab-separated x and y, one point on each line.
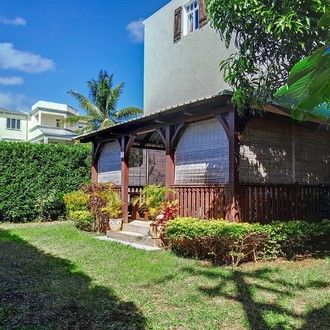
233	210
222	119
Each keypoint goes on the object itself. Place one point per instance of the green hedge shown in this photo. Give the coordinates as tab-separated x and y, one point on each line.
34	178
233	243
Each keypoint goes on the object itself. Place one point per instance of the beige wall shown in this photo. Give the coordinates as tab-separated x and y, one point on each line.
175	73
282	152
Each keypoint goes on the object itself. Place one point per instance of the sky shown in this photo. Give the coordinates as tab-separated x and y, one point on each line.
48	47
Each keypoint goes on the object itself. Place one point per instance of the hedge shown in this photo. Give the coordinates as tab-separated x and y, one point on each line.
232	243
34	178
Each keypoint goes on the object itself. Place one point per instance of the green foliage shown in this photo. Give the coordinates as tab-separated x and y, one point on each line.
271	36
113	204
76	201
225	242
34	177
51	206
101	105
82	219
307	91
151	199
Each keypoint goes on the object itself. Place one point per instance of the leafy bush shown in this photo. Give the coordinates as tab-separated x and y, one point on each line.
29	172
76	201
99	196
82	219
50	207
113	206
233	243
151	199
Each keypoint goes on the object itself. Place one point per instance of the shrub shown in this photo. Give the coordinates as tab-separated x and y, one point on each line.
50	207
113	204
218	240
28	172
76	201
233	243
82	219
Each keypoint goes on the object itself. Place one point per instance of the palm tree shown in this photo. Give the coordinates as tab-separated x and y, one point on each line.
101	105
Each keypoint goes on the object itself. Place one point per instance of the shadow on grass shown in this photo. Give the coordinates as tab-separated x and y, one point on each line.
42	291
248	286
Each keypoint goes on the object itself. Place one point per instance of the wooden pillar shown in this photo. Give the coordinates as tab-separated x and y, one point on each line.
126	143
233	210
124	185
94	164
170	168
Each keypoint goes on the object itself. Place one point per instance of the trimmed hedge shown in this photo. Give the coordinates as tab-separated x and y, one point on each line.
232	243
34	178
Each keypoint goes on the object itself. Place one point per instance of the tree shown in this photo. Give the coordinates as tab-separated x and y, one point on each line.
307	92
101	105
270	36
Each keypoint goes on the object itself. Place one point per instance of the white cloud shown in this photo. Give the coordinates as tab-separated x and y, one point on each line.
11	80
17	21
17	102
11	58
136	31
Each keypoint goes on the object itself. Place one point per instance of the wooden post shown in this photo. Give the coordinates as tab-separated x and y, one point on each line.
124	156
170	169
233	211
124	186
94	164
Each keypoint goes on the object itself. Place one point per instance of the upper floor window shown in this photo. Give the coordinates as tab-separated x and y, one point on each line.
13	123
58	123
191	17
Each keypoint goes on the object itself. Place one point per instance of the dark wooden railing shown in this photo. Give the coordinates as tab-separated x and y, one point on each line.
202	201
265	203
258	202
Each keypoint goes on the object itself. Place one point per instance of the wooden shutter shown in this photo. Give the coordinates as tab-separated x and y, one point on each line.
177	24
202	13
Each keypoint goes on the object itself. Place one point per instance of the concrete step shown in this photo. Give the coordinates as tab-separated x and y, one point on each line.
131	237
138	226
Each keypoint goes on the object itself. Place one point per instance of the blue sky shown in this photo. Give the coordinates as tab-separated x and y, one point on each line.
50	46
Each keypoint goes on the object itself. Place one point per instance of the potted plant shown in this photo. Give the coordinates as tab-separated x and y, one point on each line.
151	202
113	209
169	212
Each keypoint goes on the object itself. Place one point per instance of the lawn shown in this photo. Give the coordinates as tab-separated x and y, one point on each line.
53	276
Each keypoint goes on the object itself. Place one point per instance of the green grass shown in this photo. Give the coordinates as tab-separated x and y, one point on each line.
53	276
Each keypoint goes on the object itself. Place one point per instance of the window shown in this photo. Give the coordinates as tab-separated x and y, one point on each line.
191	16
58	123
13	123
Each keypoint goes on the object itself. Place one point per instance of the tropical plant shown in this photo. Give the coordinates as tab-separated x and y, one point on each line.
101	105
113	204
307	92
270	36
152	199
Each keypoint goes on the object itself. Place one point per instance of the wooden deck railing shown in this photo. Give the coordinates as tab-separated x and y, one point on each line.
265	203
258	202
202	201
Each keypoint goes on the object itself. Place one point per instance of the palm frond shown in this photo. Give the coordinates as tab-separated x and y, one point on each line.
129	113
86	104
113	97
107	123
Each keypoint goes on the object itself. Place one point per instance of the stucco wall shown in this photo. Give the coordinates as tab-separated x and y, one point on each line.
9	134
180	72
282	152
202	154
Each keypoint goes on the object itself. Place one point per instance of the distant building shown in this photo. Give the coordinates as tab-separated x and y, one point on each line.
44	124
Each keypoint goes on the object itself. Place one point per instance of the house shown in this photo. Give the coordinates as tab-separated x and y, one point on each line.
261	167
44	124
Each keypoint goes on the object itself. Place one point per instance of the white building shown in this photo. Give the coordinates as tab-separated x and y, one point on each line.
44	124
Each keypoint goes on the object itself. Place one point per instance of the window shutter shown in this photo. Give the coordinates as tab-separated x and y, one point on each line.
202	13
177	24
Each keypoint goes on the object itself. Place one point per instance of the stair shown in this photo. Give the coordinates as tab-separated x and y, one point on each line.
137	232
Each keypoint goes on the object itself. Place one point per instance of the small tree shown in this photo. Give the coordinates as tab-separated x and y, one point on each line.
271	36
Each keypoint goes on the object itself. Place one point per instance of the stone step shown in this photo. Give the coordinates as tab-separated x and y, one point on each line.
137	226
131	237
